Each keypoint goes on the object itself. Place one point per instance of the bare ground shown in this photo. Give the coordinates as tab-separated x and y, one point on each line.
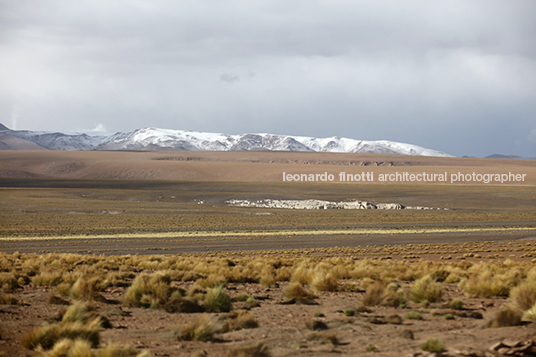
49	197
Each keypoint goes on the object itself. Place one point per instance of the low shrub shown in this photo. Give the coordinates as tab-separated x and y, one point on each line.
324	338
507	316
433	345
380	293
211	281
323	281
413	315
9	299
238	320
523	296
150	291
394	319
47	336
217	300
202	329
455	304
85	289
297	292
9	282
425	289
349	312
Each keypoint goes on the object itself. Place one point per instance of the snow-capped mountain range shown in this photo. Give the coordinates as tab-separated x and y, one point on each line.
152	139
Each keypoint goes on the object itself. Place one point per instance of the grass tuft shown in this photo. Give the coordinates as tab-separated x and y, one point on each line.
324	338
426	289
433	345
323	281
238	320
47	336
296	291
202	329
217	300
151	291
455	304
84	289
9	299
413	315
507	316
380	293
523	296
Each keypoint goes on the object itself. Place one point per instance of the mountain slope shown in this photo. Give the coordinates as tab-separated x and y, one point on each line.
58	141
151	139
11	142
163	139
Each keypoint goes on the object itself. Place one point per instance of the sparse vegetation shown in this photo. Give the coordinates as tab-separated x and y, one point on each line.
298	294
425	289
323	281
349	312
85	289
47	336
187	285
202	329
217	300
238	320
371	348
456	304
433	345
507	316
413	315
323	337
523	296
382	293
155	291
394	319
78	230
9	299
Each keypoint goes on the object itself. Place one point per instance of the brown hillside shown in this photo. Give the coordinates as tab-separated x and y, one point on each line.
244	166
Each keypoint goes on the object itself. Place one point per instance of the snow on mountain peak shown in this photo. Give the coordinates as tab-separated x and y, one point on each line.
183	140
167	139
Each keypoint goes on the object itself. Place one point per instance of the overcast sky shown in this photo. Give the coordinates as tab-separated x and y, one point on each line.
456	76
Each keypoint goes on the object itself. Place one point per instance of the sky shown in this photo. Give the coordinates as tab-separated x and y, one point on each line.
455	76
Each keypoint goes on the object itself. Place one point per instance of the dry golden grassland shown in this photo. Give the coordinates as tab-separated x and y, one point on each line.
294	302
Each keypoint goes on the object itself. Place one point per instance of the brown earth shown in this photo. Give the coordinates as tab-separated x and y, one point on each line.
252	166
281	327
153	202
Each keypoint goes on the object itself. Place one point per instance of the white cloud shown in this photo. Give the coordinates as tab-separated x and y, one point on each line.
99	127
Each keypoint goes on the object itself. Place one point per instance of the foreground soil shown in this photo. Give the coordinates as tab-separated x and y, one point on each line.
286	328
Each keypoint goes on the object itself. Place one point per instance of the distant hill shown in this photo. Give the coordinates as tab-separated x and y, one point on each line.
10	142
500	156
154	139
3	127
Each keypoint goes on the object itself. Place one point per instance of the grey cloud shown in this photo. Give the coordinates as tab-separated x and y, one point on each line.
532	136
230	78
464	71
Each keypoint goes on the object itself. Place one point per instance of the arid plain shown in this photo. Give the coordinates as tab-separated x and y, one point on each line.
89	228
